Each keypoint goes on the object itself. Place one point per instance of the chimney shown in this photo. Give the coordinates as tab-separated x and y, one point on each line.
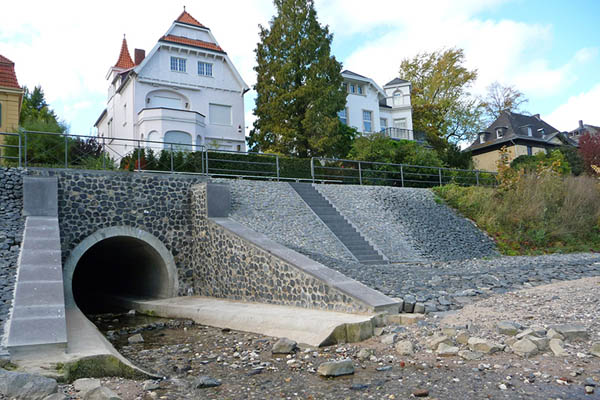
580	124
139	56
537	116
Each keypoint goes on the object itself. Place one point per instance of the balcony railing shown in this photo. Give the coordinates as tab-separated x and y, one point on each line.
398	133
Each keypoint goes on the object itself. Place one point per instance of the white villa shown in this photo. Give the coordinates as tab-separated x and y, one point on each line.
185	91
369	108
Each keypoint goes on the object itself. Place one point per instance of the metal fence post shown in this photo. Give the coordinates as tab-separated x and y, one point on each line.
440	174
139	156
312	168
172	170
25	156
277	166
359	173
19	151
66	151
477	177
103	154
206	155
402	175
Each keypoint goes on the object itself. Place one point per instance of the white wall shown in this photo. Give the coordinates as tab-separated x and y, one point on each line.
357	103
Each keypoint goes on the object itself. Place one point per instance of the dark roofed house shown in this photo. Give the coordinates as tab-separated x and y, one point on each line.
520	134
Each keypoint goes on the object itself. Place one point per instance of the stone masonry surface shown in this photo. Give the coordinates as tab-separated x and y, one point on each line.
277	211
361	206
158	204
407	224
442	286
229	267
11	234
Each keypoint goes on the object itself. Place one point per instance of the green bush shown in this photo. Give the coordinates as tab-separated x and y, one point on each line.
539	213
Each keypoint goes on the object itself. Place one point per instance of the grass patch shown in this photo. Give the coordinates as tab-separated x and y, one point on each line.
535	214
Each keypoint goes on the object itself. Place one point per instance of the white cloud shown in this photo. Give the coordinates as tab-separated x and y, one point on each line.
584	106
68	46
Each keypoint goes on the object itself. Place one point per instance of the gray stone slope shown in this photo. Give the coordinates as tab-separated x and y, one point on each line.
277	211
408	225
11	233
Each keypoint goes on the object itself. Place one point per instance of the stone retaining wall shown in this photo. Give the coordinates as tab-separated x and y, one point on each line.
11	235
227	266
156	203
408	224
277	211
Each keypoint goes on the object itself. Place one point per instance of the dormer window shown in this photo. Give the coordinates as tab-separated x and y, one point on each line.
481	138
542	131
529	131
352	88
498	133
360	89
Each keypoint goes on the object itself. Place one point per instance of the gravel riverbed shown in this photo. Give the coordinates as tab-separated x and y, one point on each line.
188	354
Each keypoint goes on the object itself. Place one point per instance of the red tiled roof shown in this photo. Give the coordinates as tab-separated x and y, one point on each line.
192	42
124	60
186	18
8	78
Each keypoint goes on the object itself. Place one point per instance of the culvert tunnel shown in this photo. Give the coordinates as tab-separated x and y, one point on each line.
120	266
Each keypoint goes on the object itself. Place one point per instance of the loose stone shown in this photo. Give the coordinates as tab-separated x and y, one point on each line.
483	345
421	393
525	348
101	393
436	340
137	338
204	381
389	339
572	331
508	328
284	346
336	368
470	355
84	385
595	350
445	350
405	348
26	386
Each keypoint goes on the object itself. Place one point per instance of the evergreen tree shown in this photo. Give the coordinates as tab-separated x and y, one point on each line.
299	86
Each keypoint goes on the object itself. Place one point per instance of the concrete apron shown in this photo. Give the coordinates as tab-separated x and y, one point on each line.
306	326
88	354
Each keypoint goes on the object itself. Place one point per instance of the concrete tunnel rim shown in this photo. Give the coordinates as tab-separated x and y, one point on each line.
116	231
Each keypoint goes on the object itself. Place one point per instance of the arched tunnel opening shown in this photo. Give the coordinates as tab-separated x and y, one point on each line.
116	267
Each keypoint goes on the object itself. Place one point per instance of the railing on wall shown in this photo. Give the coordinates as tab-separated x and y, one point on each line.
378	173
62	150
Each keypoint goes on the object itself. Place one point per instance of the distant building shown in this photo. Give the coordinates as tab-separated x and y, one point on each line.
186	91
370	108
11	97
521	134
583	129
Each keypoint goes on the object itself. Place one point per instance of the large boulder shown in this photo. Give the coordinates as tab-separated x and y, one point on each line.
405	348
508	328
19	385
483	345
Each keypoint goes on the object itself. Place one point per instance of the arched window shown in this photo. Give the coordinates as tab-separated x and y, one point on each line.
166	99
181	141
398	98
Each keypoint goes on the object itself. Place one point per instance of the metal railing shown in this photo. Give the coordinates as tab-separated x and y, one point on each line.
379	173
63	150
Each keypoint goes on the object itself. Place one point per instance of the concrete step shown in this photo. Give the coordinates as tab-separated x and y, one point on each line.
339	226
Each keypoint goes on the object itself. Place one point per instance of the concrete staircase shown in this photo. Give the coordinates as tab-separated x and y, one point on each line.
341	228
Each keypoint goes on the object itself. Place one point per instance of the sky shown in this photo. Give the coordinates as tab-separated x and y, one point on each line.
547	49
